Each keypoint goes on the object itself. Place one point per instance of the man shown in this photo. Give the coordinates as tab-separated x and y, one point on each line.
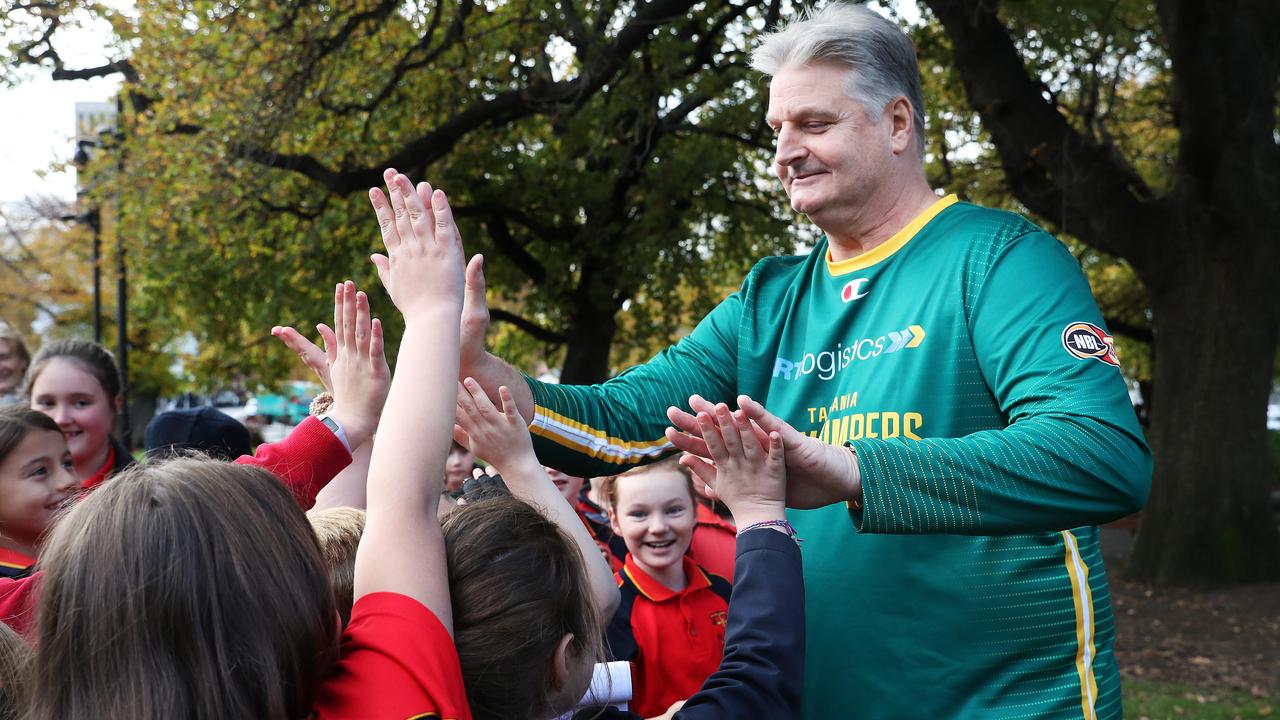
951	407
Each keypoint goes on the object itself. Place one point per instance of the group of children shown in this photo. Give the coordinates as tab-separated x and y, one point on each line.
200	588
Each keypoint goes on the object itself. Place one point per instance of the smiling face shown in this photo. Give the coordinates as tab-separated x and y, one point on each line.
74	398
37	478
831	157
654	514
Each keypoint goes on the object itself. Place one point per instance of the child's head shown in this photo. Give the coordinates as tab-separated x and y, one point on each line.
14	359
457	468
652	508
77	383
36	475
524	621
339	530
568	485
189	588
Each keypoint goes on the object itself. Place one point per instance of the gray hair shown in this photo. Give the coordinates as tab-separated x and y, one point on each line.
880	57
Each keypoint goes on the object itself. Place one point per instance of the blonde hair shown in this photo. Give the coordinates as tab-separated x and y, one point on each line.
339	530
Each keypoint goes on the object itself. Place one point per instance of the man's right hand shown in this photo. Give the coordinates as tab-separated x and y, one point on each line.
818	474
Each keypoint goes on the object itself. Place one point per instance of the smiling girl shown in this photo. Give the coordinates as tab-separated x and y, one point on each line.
77	383
671	621
36	481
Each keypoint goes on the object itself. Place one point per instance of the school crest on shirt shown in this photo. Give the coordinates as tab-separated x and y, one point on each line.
719	618
1085	340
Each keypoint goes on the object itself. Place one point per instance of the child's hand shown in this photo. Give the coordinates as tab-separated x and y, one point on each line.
499	436
357	366
749	477
313	357
422	270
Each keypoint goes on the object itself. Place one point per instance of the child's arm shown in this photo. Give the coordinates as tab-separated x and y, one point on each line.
348	488
502	438
402	550
357	375
762	671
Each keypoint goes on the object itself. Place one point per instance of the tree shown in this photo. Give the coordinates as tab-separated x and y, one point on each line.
601	154
1197	224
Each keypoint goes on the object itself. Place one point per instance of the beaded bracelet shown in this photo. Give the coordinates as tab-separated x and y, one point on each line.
787	526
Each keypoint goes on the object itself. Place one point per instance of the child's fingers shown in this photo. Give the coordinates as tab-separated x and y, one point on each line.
386	218
377	343
347	331
466	403
711	435
479	398
396	193
382	264
362	324
330	340
705	471
445	230
424	196
460	436
420	217
728	431
776	460
509	406
753	448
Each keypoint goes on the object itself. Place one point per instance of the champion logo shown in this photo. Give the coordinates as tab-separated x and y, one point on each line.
854	290
1084	340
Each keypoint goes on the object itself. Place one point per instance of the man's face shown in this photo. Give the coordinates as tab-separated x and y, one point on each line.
830	156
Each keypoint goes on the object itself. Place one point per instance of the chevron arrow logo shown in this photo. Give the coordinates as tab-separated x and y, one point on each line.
917	336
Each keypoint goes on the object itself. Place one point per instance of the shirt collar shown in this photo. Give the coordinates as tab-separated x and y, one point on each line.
656	591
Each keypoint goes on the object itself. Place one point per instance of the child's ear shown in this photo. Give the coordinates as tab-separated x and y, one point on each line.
613	522
560	663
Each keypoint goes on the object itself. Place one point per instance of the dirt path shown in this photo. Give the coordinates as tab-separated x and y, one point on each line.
1211	639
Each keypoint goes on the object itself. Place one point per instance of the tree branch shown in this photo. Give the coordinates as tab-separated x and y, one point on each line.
1084	187
534	330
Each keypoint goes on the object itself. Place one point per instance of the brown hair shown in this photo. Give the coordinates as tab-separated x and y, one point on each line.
16	422
518	585
670	463
188	588
91	357
15	653
339	530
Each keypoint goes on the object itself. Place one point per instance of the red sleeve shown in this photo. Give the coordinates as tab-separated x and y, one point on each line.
305	461
18	602
398	663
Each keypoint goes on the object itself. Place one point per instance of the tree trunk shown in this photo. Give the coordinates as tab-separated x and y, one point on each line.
1208	520
586	358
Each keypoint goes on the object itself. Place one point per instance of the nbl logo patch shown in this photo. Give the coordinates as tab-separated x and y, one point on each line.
1085	340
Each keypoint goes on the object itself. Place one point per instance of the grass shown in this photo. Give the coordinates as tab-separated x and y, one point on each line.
1144	700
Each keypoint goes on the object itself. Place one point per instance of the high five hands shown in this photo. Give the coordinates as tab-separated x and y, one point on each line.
817	474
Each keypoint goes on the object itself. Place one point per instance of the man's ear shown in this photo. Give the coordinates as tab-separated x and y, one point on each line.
902	125
560	663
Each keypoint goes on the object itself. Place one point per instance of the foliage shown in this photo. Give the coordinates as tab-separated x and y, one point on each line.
600	154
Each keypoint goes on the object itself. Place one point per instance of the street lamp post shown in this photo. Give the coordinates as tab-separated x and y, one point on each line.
93	218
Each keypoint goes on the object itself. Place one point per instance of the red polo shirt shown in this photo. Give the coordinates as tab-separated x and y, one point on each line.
715	543
398	663
674	640
13	563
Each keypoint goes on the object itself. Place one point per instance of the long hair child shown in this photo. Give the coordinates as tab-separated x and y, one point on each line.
37	480
196	589
77	383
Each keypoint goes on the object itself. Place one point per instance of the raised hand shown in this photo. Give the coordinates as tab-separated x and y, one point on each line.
818	474
500	436
422	269
357	367
744	472
313	357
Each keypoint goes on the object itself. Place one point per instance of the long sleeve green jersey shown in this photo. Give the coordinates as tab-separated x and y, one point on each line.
966	363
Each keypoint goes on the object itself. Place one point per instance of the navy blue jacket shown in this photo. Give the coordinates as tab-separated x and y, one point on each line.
762	672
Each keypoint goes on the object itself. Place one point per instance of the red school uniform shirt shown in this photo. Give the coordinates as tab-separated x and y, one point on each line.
715	543
14	563
674	640
398	663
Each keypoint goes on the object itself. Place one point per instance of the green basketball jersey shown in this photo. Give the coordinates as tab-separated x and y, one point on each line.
966	364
